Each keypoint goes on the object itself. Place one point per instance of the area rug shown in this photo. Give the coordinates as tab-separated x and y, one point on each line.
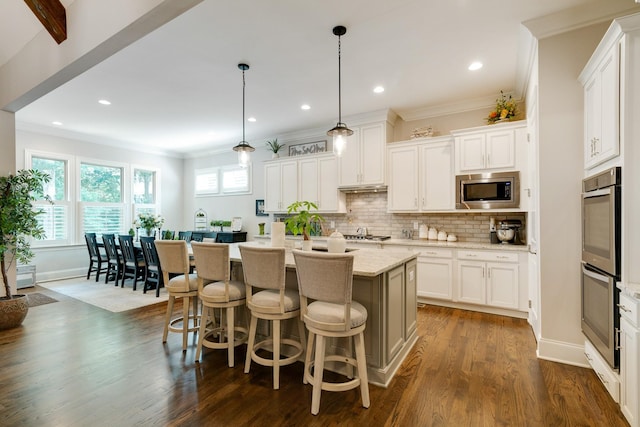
106	296
35	299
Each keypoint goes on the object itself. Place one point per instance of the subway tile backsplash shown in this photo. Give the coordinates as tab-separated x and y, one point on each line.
370	210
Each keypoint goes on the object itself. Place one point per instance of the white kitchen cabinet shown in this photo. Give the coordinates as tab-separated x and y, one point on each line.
363	161
601	81
421	176
281	185
435	273
630	359
314	179
488	278
608	378
491	148
318	183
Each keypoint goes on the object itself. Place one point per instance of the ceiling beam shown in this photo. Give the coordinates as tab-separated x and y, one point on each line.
52	15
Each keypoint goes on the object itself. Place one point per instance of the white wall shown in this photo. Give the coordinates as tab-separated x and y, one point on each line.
227	207
72	260
561	59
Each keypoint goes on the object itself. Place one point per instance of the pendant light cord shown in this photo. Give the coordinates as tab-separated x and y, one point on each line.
243	84
339	83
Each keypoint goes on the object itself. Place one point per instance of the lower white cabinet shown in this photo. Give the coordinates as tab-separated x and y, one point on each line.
488	278
630	359
603	371
435	273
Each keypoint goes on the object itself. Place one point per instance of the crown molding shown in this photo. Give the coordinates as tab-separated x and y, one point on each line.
578	17
447	109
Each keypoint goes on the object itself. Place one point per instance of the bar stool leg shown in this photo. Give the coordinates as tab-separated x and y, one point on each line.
276	354
185	321
167	317
307	356
230	335
361	361
318	368
250	343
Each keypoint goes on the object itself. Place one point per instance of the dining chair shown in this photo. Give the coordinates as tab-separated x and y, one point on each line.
95	256
264	271
115	263
184	235
153	273
134	265
325	282
196	236
174	258
216	290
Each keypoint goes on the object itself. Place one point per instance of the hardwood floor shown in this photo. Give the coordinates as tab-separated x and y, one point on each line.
73	364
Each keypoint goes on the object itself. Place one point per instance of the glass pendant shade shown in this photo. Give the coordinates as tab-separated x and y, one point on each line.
340	134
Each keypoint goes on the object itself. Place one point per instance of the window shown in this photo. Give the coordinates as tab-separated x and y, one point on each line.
55	218
207	181
102	206
224	180
144	193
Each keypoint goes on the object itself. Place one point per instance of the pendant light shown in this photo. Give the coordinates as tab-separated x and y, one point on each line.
340	132
243	148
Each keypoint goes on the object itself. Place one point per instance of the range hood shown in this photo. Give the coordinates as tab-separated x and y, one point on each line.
363	189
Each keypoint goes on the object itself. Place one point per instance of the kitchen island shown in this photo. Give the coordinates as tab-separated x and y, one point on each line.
385	283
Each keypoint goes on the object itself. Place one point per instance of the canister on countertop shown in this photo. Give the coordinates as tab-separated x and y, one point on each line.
423	231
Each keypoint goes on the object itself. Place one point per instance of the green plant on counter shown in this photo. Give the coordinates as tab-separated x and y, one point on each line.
302	219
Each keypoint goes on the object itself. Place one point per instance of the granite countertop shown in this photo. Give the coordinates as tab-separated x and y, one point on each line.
633	290
368	262
389	243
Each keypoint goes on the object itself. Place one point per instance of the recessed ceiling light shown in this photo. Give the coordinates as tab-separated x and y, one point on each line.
378	89
57	123
251	119
475	66
104	102
305	107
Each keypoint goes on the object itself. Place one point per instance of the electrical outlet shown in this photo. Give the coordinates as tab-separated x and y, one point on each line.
333	224
416	225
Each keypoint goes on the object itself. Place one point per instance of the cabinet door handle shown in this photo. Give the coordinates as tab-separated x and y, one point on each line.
623	308
588	356
502	257
431	253
617	339
415	202
488	273
602	378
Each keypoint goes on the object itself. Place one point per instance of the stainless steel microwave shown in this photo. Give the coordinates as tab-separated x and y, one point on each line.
497	190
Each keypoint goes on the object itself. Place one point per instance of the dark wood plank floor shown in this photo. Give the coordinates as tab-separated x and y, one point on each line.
73	364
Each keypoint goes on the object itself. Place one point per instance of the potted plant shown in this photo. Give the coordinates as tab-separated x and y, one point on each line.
274	146
302	220
18	223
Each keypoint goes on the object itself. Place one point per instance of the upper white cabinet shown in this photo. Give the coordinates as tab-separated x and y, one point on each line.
488	148
363	161
318	183
314	179
421	175
601	81
281	185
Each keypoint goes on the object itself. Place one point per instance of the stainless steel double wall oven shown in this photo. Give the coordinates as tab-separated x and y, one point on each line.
601	231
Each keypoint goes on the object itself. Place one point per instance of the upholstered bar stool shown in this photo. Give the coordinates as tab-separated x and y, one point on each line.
264	268
325	282
217	290
174	258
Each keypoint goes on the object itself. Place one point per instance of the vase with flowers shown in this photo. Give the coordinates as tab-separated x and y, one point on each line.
149	222
505	109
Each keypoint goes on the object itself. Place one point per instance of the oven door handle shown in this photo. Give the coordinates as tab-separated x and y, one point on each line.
596	193
597	276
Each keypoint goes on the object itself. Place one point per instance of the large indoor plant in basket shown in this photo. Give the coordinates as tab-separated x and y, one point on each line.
18	224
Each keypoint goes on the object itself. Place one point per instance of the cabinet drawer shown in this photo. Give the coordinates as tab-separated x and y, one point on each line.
488	256
436	253
629	309
607	377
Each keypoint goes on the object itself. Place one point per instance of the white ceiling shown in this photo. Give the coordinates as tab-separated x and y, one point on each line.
178	90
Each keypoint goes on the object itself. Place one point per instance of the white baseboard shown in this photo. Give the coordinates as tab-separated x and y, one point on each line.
62	274
562	352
